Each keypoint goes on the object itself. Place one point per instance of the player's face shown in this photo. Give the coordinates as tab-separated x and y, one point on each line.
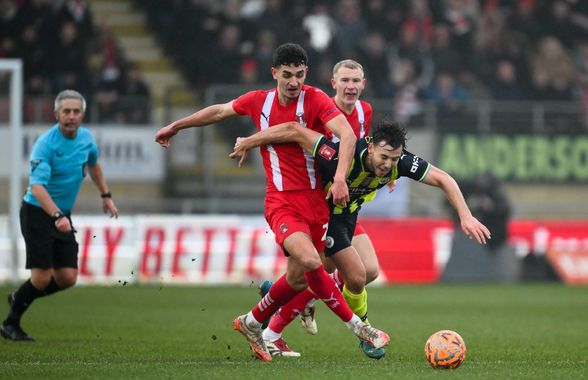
290	80
69	116
348	83
382	158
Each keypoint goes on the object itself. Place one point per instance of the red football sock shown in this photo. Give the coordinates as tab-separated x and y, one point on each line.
279	294
290	311
325	288
338	279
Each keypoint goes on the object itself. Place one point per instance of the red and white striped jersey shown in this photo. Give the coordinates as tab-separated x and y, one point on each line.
360	120
287	166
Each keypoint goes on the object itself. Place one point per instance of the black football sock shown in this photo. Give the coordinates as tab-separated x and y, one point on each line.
51	288
23	297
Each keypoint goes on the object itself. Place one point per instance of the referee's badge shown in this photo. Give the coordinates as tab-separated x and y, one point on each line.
326	152
34	164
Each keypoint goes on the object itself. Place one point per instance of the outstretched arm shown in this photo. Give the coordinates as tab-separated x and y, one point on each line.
471	226
290	132
341	128
209	115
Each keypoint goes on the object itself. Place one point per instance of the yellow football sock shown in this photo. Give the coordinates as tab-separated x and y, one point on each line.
357	303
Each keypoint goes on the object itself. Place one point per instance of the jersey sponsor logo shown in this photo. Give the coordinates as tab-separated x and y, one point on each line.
384	180
326	152
329	242
34	164
283	228
356	192
265	117
415	164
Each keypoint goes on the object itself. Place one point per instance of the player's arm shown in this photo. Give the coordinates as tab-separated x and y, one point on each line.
341	128
39	177
469	224
206	116
46	202
290	132
97	176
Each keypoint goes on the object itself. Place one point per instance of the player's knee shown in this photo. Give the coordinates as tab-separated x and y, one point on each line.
296	282
371	274
356	282
310	262
66	281
41	280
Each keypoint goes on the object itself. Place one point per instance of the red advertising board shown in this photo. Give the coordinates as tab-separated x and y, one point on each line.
241	249
407	248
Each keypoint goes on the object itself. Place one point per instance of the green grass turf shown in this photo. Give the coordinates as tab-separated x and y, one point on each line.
165	332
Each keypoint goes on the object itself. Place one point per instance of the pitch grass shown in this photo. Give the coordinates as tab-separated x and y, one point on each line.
155	332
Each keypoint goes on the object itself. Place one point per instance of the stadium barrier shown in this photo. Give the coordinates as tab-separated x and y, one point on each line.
220	249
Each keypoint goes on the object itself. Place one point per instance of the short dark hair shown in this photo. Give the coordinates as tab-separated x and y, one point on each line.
391	132
289	54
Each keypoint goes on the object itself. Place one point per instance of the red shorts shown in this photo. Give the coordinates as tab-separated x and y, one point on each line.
358	229
307	211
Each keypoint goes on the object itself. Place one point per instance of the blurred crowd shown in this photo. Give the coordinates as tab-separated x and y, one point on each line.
61	47
449	53
444	51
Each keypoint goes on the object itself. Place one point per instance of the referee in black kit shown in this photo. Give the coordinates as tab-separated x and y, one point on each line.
59	161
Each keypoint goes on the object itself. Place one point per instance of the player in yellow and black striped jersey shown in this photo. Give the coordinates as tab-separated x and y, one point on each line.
362	180
378	160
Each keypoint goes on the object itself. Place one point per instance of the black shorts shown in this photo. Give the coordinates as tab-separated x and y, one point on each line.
340	233
46	246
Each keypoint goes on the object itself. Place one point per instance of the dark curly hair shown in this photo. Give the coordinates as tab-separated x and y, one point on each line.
391	132
289	54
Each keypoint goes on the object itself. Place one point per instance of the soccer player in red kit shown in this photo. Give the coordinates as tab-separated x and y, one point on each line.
352	269
295	206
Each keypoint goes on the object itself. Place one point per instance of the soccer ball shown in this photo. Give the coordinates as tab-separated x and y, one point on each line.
445	349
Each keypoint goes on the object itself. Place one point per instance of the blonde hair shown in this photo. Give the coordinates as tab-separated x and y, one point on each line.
347	63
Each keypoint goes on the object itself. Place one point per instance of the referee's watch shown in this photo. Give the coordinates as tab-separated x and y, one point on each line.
108	194
56	216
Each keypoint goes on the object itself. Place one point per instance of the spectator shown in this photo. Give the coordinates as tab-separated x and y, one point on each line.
444	56
505	85
78	12
135	96
450	100
490	205
224	60
375	60
351	28
552	71
320	26
67	58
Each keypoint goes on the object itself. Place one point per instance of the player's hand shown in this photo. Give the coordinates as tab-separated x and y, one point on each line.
164	135
475	230
109	207
339	192
63	224
391	186
240	150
